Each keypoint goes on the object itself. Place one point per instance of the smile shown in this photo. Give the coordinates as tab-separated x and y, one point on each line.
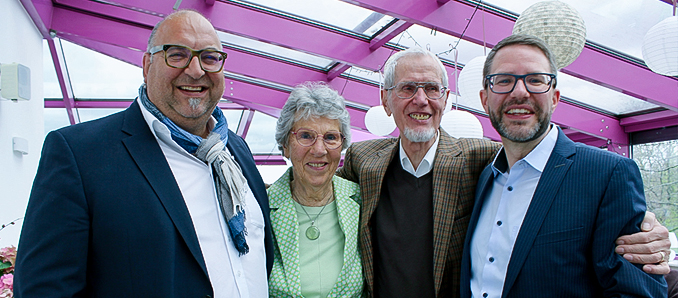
317	165
191	89
518	111
420	116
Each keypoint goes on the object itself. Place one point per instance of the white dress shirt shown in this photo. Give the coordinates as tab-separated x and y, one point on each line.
231	275
426	164
502	215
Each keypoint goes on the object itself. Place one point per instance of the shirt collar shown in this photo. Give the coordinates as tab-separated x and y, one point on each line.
426	164
537	158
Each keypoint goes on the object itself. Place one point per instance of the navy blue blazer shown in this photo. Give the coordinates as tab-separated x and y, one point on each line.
106	217
586	198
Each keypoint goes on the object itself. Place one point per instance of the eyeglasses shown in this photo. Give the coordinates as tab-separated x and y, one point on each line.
308	137
406	90
177	56
502	83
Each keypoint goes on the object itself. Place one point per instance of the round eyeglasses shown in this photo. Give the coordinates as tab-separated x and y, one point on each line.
177	56
502	83
308	137
407	90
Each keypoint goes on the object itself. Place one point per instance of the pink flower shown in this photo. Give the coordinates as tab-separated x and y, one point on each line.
8	254
7	281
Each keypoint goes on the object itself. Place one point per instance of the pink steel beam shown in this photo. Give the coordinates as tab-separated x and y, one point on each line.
649	121
617	74
337	70
245	121
388	34
64	80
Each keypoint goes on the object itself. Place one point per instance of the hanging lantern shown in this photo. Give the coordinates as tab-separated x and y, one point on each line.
660	47
378	123
471	80
461	124
559	25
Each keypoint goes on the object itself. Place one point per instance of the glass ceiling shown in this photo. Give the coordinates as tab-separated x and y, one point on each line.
615	24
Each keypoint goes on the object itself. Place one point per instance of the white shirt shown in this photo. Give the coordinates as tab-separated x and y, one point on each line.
231	275
426	164
502	215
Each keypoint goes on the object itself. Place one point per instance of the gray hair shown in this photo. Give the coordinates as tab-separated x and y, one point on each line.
390	66
520	39
312	100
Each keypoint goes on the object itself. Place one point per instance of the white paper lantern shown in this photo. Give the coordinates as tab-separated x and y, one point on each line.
462	124
377	122
471	79
559	25
660	47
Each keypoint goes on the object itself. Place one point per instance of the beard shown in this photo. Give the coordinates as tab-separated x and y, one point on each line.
520	135
194	103
419	136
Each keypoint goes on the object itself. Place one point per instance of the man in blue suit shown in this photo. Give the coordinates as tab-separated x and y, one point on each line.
159	200
548	210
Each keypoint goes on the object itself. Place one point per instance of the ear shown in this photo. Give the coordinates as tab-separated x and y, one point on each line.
555	99
146	64
384	102
286	152
483	99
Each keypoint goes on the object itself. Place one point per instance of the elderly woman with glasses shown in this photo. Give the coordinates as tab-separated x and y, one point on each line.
314	214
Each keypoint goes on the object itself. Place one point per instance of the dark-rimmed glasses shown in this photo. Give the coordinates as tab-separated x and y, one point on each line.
536	83
178	56
406	90
308	137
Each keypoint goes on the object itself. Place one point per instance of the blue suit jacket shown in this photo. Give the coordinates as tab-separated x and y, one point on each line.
106	217
585	199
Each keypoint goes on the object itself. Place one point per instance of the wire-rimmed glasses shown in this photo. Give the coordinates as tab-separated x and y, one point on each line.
406	90
178	56
308	137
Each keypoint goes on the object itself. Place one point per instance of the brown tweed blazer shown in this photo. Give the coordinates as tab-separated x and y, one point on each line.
457	166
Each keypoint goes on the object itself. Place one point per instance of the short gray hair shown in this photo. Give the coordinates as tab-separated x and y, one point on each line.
312	100
390	66
520	39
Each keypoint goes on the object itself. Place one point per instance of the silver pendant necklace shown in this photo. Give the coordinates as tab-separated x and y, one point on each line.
313	232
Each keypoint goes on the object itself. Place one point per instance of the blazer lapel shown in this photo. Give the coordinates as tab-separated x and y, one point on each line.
445	196
144	149
546	191
286	230
346	209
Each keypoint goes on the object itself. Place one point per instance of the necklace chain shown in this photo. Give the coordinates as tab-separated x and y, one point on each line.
313	232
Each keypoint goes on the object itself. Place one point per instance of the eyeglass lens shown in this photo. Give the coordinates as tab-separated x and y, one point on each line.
534	83
180	57
406	90
307	137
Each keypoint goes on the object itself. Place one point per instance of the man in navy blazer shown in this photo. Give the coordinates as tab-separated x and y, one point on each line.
548	210
119	208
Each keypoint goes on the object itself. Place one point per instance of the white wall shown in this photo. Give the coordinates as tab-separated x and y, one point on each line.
20	42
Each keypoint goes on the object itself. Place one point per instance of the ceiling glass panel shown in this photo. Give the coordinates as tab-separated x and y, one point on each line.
273	50
94	75
55	118
94	113
600	97
439	43
364	74
332	12
611	23
261	135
